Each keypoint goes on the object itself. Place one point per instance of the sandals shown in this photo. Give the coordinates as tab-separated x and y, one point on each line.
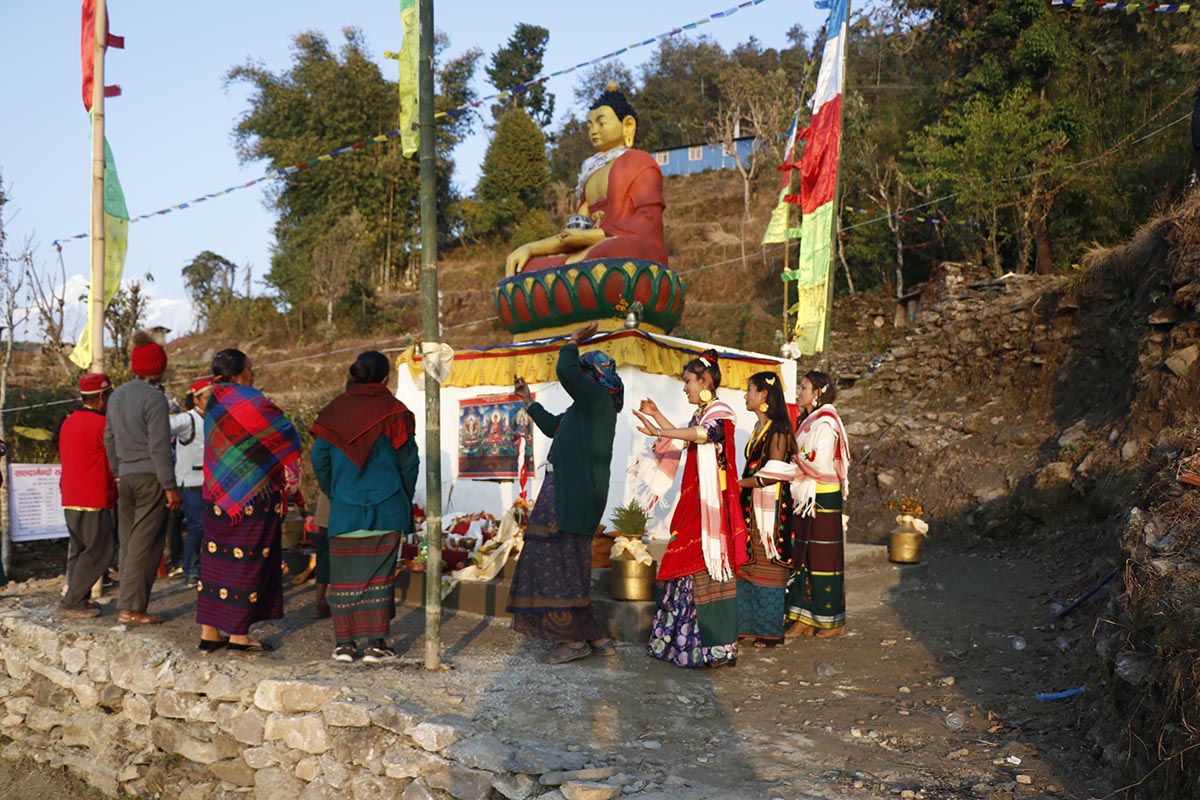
606	648
562	653
211	645
252	649
764	644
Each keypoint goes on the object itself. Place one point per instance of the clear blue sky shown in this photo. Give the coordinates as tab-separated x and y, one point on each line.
171	130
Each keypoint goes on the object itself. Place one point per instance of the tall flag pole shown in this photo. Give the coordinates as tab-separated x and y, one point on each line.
110	217
819	189
430	334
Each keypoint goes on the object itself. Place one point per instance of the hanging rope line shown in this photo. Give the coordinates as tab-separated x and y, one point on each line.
277	174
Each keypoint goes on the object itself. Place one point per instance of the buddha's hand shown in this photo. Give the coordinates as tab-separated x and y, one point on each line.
580	238
517	259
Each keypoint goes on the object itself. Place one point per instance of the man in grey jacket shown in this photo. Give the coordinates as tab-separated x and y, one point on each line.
138	439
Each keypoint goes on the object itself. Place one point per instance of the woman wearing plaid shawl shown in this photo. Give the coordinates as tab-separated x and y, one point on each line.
251	452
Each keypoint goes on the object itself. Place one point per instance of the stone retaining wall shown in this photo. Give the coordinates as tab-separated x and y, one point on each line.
129	715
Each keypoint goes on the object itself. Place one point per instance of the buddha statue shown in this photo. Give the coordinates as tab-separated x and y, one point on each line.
620	198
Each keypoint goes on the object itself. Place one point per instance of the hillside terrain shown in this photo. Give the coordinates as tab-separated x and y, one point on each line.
1038	420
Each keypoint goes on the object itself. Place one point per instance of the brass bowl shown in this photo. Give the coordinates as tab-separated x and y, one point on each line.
632	581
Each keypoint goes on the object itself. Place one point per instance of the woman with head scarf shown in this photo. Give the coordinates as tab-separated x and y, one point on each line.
550	598
696	622
816	594
251	453
365	457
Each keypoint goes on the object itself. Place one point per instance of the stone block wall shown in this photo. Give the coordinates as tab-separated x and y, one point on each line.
129	715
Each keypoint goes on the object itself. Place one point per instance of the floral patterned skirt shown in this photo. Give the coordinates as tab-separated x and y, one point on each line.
696	622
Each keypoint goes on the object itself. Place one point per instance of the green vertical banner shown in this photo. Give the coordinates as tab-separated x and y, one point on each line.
116	240
409	59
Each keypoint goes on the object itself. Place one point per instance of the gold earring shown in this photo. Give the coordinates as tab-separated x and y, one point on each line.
763	408
705	396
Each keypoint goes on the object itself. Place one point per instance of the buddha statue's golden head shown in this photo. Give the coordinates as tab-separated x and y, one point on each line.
611	121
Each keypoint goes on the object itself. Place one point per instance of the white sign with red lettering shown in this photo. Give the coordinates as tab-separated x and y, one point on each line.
35	501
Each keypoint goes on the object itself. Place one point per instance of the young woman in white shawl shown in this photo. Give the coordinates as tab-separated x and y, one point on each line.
816	594
766	500
696	621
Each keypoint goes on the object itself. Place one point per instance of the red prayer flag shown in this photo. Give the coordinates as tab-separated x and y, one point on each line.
87	49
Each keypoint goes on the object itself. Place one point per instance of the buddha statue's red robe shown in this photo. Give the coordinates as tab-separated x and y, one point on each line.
630	216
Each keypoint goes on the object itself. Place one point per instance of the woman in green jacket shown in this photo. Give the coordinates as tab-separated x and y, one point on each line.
550	598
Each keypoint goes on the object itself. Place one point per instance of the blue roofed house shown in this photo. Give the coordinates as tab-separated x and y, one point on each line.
694	158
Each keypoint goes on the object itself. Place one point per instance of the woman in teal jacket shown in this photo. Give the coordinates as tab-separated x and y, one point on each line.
365	458
550	596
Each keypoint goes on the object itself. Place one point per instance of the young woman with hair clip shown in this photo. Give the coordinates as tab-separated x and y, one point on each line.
816	595
696	622
767	508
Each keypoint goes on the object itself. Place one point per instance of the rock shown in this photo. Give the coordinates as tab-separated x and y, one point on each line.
536	760
407	762
307	768
395	718
222	687
135	672
418	790
348	713
862	428
885	479
248	726
595	774
586	790
321	790
514	786
111	696
260	757
434	736
274	783
1024	779
198	791
336	773
461	782
74	659
290	697
137	709
306	732
1054	474
1180	361
173	704
374	787
361	746
1130	449
482	751
176	737
233	770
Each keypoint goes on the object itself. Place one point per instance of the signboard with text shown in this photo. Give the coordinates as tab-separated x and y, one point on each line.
35	502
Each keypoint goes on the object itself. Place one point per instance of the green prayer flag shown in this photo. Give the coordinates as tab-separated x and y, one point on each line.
409	68
116	240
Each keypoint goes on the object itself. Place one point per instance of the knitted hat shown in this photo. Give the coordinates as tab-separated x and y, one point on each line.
200	385
94	383
148	357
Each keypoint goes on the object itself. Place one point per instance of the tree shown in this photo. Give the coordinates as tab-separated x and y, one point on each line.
338	261
990	154
518	61
123	318
756	104
12	315
209	281
47	294
326	101
677	103
515	169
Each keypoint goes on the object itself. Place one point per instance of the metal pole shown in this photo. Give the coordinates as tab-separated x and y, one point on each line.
97	289
431	334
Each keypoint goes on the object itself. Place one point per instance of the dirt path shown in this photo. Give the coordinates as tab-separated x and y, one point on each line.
776	726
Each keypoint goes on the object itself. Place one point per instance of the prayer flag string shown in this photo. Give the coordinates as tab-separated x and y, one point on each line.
276	174
1103	5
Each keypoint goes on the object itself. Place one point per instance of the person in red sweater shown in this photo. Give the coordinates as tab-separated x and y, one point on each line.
89	496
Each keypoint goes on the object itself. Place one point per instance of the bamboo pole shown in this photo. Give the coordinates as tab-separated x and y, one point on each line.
431	333
837	207
97	288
